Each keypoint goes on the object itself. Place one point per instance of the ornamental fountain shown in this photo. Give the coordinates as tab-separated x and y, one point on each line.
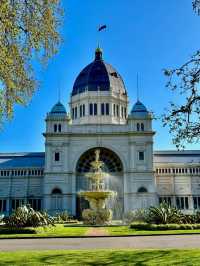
97	214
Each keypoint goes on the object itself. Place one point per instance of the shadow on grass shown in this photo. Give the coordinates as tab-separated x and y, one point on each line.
103	257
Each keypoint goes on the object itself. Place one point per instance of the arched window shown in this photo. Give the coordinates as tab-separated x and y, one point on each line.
59	127
56	199
55	128
142	190
138	127
56	191
142	127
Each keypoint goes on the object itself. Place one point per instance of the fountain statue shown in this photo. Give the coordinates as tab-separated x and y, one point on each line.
98	214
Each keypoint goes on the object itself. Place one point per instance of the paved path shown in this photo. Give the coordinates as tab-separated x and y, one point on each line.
141	242
95	231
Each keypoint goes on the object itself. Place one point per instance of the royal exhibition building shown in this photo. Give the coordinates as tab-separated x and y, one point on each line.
99	118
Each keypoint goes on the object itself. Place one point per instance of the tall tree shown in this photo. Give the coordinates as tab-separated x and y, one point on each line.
184	119
29	29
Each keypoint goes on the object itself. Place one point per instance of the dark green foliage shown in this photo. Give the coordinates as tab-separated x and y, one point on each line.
164	214
25	216
13	230
155	227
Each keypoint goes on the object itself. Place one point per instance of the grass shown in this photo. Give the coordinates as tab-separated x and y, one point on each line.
125	230
51	231
62	230
103	257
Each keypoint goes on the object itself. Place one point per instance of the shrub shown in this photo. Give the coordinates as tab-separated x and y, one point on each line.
25	216
154	227
164	214
62	217
140	215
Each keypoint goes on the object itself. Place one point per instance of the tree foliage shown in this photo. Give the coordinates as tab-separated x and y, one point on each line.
28	30
184	119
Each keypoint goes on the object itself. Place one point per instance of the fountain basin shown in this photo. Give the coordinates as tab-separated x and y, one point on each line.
97	198
97	194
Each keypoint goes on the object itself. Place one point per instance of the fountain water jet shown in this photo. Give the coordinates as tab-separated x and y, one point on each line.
97	195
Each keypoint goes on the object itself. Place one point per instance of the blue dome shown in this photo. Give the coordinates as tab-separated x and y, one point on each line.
98	76
139	110
58	108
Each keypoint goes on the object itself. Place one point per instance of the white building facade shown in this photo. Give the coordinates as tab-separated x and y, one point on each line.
99	119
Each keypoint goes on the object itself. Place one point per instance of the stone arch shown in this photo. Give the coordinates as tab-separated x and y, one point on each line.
89	147
113	166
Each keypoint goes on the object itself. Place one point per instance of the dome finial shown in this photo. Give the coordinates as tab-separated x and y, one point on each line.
137	87
98	53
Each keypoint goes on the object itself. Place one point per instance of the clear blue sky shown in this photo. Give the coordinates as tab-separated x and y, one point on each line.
142	36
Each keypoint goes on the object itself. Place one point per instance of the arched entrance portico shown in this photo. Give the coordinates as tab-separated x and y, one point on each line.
113	166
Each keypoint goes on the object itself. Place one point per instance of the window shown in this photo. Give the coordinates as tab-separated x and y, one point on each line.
83	109
107	108
196	202
80	110
141	156
72	113
138	127
182	203
2	205
91	108
56	199
35	204
142	190
117	110
59	127
142	127
57	156
102	109
55	128
125	112
75	112
17	203
114	109
95	108
166	200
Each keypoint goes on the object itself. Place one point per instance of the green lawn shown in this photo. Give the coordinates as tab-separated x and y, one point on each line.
62	230
102	257
52	231
125	230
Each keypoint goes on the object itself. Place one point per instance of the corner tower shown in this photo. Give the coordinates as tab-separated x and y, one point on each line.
99	95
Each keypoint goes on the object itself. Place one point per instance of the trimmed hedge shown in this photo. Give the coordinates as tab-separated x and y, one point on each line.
12	230
147	226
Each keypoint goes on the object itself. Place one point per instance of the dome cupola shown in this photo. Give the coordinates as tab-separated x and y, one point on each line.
99	94
58	109
139	110
98	76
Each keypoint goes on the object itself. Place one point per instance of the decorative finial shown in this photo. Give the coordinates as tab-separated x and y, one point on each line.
137	87
98	53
